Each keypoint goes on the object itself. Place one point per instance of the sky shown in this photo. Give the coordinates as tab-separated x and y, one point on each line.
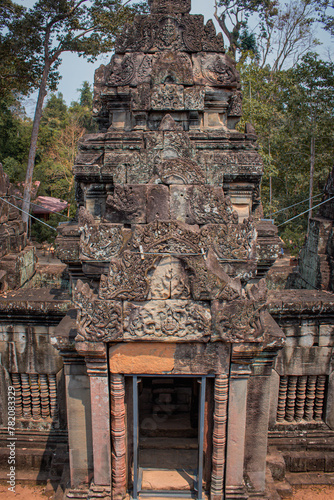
75	69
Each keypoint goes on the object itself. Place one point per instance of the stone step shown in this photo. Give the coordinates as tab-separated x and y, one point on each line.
309	461
167	443
168	480
308	478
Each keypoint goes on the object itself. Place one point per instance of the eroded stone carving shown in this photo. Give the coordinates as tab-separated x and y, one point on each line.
239	320
165	6
172	67
168	280
123	70
167	320
100	242
215	69
179	171
127	204
127	278
97	320
235	104
169	97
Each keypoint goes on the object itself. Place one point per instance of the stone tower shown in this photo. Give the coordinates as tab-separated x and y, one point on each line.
165	260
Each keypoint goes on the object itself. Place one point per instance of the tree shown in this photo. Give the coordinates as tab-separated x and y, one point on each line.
325	10
291	110
289	34
233	15
43	33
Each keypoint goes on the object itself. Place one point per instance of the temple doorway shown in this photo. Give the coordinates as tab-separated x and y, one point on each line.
168	435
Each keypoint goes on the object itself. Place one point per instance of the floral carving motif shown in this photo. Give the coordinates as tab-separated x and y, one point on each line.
231	240
97	320
240	320
167	320
179	171
169	97
127	278
100	242
193	32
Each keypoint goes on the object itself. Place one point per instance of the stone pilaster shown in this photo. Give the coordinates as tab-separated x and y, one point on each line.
257	421
97	369
235	488
78	418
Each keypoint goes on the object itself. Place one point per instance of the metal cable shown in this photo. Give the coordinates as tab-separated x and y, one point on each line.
29	215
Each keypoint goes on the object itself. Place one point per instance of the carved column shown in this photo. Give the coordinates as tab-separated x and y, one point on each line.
118	435
219	437
97	369
235	487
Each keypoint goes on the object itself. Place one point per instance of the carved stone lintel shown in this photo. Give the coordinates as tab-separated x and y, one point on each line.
167	320
118	436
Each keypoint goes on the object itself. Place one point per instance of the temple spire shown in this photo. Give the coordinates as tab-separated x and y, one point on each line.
170	6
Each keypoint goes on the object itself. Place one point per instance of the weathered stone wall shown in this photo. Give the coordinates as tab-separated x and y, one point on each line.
18	261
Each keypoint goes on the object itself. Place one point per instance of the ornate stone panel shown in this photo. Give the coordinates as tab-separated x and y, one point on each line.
172	67
215	69
235	104
167	320
97	320
166	237
174	6
167	97
127	278
127	204
100	242
240	320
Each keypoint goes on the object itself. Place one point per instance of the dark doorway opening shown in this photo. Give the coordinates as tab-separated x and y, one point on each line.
168	416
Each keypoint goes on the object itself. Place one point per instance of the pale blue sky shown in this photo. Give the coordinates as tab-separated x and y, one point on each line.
75	70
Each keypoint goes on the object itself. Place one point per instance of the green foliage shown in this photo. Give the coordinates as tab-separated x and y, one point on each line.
14	137
287	108
41	233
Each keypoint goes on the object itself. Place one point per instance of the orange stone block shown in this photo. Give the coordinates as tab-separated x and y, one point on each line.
146	357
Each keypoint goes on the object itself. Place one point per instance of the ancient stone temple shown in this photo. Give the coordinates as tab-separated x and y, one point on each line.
316	261
174	341
170	370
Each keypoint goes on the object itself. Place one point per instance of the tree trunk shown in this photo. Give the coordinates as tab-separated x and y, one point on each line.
312	161
33	144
